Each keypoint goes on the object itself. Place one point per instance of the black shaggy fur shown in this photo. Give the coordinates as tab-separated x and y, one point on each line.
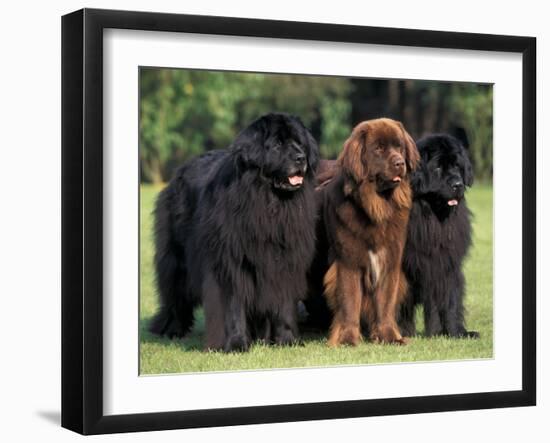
235	233
439	235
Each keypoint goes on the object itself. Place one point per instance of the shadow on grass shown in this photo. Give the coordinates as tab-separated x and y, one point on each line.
193	341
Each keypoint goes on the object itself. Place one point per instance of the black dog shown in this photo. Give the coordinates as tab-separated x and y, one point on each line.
235	230
438	238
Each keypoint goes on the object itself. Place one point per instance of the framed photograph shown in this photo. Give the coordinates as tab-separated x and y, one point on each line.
268	221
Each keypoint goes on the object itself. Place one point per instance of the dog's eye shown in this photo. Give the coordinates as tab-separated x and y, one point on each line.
379	149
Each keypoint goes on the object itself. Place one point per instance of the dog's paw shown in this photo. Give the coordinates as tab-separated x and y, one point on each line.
237	343
463	333
286	338
346	336
388	335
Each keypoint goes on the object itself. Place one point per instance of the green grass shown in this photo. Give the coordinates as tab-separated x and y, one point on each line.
159	356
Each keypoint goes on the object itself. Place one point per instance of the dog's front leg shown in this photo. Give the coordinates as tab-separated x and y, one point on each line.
285	323
224	317
386	300
346	303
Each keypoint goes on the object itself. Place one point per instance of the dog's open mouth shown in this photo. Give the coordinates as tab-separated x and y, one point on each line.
291	182
387	182
296	180
452	202
393	182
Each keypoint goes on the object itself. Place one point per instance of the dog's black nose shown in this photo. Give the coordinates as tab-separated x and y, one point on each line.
457	186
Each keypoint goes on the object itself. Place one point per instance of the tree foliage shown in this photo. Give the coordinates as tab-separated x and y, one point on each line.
186	112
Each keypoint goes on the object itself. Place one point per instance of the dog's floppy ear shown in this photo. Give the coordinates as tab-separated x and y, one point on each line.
412	157
351	159
312	148
312	151
460	140
248	146
468	170
420	178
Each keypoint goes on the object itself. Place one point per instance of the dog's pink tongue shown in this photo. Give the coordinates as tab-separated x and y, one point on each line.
296	180
452	202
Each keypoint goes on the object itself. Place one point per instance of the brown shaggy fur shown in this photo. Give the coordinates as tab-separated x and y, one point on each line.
366	209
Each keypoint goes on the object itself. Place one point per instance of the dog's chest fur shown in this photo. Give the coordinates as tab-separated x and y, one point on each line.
368	230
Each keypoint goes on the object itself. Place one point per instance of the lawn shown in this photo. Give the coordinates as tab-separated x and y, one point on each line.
159	356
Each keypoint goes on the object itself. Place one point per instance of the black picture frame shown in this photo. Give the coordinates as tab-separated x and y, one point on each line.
82	219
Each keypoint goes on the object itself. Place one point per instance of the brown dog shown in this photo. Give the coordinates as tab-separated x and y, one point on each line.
365	210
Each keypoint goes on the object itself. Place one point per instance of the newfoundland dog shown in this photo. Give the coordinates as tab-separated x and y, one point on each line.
438	238
365	209
235	231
